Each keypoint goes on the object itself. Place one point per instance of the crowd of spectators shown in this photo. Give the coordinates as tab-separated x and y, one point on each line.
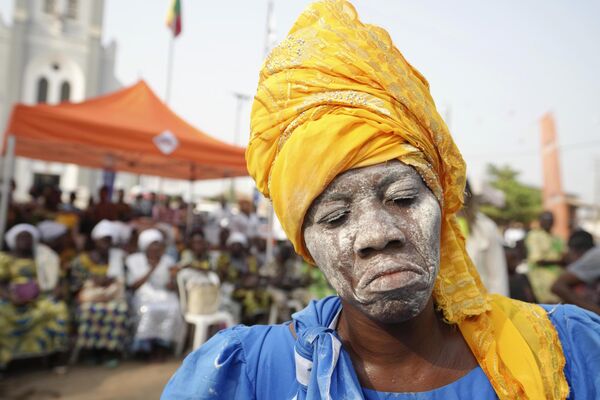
101	282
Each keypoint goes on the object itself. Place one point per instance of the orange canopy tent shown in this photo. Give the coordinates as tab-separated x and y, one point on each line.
128	130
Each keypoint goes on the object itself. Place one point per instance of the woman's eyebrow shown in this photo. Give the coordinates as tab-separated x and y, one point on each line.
335	196
394	178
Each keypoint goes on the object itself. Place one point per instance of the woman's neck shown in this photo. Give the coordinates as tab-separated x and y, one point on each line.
99	257
23	254
199	256
421	336
431	352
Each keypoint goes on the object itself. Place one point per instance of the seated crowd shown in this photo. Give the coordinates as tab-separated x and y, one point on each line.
102	283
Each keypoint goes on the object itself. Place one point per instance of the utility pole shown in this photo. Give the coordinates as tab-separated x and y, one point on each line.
270	40
270	36
241	98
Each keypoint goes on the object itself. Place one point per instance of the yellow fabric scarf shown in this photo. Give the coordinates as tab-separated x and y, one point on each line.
335	95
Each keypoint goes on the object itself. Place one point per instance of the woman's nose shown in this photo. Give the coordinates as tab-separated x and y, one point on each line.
376	231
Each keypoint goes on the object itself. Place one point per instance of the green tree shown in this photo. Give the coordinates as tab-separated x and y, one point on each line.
523	203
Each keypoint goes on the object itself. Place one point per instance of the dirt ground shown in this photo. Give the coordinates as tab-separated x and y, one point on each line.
131	380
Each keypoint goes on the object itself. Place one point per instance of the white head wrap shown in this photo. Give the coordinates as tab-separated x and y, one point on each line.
148	237
237	237
124	232
11	235
105	228
51	230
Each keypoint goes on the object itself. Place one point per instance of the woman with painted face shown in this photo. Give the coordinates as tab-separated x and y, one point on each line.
158	319
32	321
366	181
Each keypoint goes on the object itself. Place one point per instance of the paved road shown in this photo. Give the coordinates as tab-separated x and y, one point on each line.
130	381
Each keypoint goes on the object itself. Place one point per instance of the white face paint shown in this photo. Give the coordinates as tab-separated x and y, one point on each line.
375	234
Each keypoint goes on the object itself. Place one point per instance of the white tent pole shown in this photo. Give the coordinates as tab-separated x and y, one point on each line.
7	174
190	210
270	235
190	205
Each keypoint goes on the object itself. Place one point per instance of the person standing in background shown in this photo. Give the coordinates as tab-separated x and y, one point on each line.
518	282
246	221
484	245
580	283
105	208
124	211
70	206
544	256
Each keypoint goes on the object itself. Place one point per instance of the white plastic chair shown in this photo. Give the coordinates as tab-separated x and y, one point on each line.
206	314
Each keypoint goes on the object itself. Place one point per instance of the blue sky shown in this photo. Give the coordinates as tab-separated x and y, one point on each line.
494	68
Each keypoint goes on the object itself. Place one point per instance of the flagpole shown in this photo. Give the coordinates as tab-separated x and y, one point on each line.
170	69
168	88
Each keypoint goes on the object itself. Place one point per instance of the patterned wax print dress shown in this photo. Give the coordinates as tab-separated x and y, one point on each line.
101	325
542	245
37	327
243	274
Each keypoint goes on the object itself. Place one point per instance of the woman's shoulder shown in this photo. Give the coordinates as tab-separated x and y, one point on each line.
117	252
565	315
5	257
83	258
266	341
575	326
255	342
231	362
568	320
135	257
579	334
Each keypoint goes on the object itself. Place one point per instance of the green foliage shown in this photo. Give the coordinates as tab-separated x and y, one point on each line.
522	203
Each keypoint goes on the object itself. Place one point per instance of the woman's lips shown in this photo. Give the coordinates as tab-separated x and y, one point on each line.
394	280
399	273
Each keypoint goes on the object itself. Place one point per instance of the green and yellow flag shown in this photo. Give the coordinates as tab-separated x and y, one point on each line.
174	17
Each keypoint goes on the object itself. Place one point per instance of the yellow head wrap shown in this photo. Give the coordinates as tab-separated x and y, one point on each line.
335	95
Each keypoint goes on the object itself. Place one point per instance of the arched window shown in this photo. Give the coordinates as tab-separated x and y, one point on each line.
42	90
72	9
49	6
65	91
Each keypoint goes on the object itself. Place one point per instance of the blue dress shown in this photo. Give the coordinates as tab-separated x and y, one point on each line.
266	362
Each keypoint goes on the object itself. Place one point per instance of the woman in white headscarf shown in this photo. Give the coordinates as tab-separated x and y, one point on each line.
159	322
97	280
32	321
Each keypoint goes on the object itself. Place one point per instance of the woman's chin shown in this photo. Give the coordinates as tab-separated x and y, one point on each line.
390	309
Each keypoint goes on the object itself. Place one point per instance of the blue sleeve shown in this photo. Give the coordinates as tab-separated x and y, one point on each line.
579	333
217	370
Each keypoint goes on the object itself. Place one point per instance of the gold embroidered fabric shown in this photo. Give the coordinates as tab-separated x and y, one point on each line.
335	95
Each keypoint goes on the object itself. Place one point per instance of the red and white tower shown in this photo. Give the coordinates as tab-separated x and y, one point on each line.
553	196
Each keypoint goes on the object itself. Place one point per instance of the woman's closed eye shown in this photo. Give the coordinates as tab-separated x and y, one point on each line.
402	198
334	218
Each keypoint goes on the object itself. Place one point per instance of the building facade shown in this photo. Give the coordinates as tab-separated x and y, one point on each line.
52	52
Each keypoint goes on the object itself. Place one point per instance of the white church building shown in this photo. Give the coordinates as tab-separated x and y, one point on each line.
51	51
